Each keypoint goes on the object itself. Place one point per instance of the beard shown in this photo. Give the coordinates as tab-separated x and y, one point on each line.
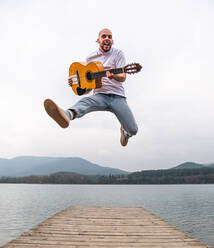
106	47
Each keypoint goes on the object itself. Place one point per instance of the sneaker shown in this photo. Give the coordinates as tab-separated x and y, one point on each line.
123	139
56	113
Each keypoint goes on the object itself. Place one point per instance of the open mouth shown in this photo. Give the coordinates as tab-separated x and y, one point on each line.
106	43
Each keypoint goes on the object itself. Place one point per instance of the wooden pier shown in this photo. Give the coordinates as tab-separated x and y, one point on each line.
101	227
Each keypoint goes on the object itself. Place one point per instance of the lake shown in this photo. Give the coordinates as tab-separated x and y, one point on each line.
188	207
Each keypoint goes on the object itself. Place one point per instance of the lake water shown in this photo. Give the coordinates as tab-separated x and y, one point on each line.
188	207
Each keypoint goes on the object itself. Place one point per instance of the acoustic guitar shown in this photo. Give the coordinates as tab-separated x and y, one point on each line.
85	77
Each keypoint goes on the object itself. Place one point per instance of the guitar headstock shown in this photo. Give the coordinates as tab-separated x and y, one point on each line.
132	68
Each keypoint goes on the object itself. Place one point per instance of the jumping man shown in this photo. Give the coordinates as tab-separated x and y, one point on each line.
110	97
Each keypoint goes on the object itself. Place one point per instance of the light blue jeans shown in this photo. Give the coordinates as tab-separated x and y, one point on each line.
108	102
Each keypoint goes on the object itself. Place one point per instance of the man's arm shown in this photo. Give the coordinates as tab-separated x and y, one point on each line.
120	62
118	77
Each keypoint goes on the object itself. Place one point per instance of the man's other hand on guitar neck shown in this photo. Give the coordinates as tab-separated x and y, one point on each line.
118	77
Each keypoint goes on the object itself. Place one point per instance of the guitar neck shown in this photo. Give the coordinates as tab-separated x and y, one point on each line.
101	74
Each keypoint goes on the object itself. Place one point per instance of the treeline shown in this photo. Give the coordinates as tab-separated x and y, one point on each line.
55	178
170	176
173	176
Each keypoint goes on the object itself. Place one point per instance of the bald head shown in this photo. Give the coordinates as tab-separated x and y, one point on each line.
105	30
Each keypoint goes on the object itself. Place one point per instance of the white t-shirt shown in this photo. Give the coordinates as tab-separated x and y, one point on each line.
111	59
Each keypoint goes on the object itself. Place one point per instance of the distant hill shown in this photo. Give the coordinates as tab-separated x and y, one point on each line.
192	165
29	165
209	165
203	175
45	170
189	165
34	165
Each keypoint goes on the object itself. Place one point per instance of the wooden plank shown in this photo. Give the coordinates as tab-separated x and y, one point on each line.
99	227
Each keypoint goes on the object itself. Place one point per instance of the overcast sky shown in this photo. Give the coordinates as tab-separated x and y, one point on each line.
172	98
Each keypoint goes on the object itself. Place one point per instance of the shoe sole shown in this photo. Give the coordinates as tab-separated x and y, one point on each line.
56	113
121	138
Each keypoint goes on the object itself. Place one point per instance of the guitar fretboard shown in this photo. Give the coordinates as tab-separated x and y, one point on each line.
100	74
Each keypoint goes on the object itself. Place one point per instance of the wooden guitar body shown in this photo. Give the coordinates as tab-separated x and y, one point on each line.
80	73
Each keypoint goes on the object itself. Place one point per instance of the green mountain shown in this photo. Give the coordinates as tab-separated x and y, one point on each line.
209	165
44	170
189	165
28	165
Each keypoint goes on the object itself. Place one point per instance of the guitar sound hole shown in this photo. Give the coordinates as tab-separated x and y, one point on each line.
89	75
